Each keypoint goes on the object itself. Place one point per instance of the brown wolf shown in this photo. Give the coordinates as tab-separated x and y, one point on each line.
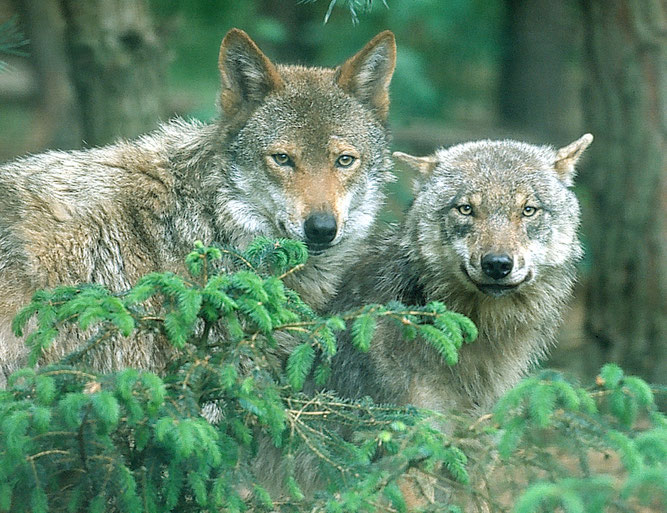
492	234
297	152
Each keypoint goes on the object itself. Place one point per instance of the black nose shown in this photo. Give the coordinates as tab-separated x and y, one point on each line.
497	266
320	228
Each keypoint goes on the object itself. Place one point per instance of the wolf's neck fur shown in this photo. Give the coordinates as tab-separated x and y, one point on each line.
515	331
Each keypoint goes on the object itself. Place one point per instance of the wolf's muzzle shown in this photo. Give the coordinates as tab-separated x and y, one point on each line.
497	265
320	229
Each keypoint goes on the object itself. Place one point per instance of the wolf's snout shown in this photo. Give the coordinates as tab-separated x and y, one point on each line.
496	265
320	228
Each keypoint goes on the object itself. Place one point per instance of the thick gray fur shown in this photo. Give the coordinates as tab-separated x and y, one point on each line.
435	255
111	215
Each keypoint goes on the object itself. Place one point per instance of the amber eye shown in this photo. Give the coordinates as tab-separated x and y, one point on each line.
282	159
345	160
529	211
464	210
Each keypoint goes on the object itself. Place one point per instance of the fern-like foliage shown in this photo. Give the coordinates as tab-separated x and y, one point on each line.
195	439
244	347
584	450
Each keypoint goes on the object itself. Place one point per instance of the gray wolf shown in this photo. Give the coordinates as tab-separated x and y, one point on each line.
297	152
492	233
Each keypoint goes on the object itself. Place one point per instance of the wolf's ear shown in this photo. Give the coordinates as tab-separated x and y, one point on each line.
247	75
425	165
567	157
366	75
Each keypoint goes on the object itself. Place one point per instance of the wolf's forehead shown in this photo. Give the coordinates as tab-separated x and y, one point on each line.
497	164
481	185
313	119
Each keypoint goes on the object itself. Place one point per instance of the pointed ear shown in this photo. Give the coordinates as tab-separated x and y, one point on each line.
567	157
367	74
247	75
425	165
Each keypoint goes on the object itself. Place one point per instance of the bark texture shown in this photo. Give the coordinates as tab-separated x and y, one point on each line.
534	92
59	122
117	66
626	311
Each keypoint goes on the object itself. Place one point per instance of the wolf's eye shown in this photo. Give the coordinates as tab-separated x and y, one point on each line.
529	211
282	159
345	160
464	210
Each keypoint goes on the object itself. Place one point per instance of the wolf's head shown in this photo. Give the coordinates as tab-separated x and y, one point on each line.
497	215
307	148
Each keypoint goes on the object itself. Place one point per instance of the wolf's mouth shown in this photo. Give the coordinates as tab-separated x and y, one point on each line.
496	289
317	249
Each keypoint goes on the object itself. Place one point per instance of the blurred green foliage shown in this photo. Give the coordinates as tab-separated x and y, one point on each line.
448	54
12	40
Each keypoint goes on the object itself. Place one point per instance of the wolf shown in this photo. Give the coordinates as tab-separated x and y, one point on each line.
297	152
492	233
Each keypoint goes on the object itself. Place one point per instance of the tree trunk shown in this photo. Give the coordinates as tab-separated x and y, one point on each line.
626	311
535	90
117	67
58	123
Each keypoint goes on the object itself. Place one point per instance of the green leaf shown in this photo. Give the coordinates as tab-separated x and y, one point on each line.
141	291
71	407
443	344
294	490
436	307
98	504
299	364
513	399
228	376
41	418
455	461
649	486
612	375
640	390
263	497
322	374
45	389
587	403
567	395
626	449
257	312
156	390
511	436
542	403
23	316
336	323
363	329
652	445
198	486
251	284
549	495
125	381
21	378
450	328
395	496
106	408
177	329
38	501
5	496
467	327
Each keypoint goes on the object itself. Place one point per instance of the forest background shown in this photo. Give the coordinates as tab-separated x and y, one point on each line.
540	71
